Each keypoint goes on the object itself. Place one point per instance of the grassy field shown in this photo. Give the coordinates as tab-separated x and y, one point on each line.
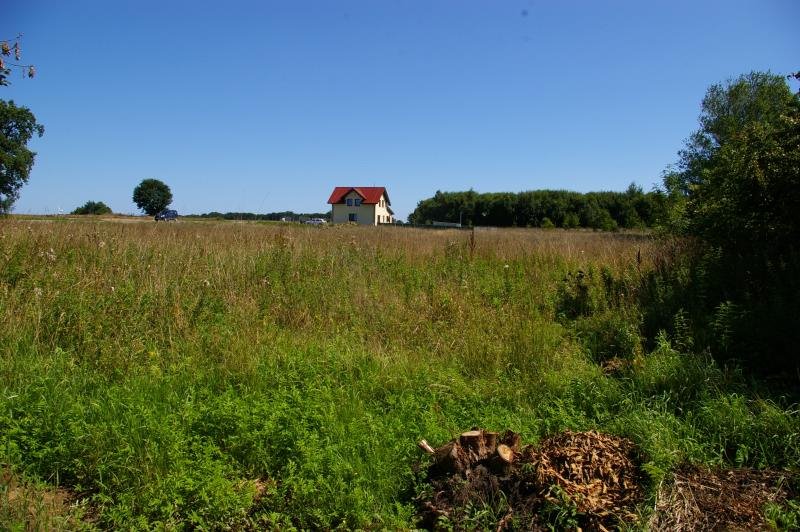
212	375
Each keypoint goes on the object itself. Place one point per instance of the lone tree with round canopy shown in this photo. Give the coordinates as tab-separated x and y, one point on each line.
152	196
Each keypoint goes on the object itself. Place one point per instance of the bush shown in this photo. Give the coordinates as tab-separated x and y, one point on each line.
738	192
93	207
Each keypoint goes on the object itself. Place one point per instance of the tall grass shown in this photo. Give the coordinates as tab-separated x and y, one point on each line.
243	374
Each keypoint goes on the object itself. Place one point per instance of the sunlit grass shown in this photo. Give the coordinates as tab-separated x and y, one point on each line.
244	374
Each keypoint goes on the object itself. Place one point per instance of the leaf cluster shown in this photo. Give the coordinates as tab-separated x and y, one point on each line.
7	47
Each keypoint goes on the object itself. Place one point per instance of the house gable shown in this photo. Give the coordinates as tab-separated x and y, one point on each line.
369	195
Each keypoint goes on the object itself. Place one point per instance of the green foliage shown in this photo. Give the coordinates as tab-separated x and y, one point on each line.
152	196
93	207
545	208
255	376
17	127
737	190
783	516
739	172
560	511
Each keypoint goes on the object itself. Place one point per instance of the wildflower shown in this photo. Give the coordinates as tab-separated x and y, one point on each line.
101	244
37	291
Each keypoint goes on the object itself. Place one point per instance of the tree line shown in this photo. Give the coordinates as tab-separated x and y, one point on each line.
289	216
608	211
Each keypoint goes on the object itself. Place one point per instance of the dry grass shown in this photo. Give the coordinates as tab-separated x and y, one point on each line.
705	499
37	508
159	368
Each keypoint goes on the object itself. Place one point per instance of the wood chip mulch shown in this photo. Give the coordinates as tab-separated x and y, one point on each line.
597	473
698	498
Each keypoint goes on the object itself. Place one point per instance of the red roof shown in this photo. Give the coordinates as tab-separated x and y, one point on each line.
368	194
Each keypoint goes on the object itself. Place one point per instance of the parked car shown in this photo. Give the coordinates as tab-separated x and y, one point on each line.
316	221
167	215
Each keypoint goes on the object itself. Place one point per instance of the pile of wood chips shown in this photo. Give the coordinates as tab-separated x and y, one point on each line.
598	473
732	499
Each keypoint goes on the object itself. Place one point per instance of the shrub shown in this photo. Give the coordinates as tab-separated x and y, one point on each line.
93	207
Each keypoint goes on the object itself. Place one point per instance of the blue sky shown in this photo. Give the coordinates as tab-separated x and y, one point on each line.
266	106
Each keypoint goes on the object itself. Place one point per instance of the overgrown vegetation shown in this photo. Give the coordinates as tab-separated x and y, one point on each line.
216	375
736	191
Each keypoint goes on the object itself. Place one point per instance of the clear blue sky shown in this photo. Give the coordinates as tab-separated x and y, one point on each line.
266	106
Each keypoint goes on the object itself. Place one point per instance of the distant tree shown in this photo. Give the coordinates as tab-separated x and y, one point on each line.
93	207
17	126
152	196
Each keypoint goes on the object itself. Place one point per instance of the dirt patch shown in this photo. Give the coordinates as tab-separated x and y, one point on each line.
573	479
38	507
733	499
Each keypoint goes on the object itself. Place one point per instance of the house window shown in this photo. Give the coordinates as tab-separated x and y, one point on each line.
358	202
349	202
352	217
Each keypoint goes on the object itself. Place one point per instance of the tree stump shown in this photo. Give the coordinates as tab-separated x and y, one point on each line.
502	460
490	442
472	442
511	439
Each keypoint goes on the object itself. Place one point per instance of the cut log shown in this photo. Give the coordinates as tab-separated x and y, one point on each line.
490	442
502	460
505	453
511	439
472	442
425	446
450	458
448	449
471	438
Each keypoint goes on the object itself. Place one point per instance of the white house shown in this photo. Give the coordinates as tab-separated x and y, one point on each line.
361	205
